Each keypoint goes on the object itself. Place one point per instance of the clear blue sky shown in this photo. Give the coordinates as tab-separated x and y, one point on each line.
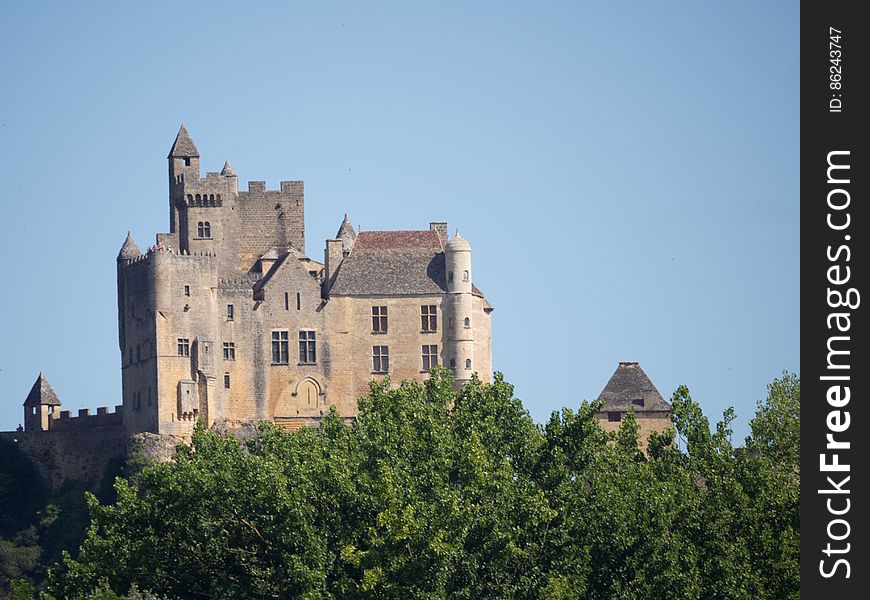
626	172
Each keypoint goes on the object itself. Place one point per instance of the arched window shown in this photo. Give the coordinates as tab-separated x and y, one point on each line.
468	364
189	198
203	230
207	229
467	322
452	363
198	197
465	276
211	198
218	197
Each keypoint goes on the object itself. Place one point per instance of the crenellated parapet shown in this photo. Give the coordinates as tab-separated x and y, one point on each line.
85	419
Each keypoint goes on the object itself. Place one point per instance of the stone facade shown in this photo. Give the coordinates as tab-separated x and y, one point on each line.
225	318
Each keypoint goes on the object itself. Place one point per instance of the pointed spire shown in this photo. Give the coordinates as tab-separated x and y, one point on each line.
183	145
129	250
228	171
41	393
346	234
346	229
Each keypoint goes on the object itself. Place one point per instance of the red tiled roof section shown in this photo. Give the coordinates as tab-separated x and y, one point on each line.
398	240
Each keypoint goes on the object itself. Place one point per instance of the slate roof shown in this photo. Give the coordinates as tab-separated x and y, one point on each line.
41	393
393	263
398	240
129	249
629	383
183	145
228	170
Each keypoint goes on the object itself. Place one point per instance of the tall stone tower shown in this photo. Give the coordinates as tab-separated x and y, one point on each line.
460	346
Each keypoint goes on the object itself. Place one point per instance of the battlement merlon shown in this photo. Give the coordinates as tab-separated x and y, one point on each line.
287	187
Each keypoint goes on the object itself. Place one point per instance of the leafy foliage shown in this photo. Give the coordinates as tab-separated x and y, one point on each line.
434	493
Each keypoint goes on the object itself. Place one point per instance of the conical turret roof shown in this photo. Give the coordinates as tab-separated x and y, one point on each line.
346	234
41	393
129	250
228	171
458	243
629	387
183	145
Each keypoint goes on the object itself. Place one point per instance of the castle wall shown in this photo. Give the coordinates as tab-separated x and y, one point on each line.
647	423
290	301
481	323
80	454
350	323
138	342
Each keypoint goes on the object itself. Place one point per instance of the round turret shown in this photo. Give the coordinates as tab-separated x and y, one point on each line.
458	263
460	346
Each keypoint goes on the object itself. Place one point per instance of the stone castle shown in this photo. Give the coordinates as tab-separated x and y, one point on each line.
226	319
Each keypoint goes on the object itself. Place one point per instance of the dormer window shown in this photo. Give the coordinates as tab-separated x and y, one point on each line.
637	401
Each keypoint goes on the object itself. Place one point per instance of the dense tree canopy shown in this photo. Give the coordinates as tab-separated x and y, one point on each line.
433	493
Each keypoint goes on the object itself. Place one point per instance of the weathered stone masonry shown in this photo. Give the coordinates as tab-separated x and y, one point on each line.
226	319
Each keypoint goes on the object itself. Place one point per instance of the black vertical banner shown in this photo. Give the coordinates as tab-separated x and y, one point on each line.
835	374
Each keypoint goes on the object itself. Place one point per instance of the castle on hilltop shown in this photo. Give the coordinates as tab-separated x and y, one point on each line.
226	319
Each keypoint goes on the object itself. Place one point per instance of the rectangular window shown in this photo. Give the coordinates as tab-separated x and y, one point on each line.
231	312
637	401
379	319
430	356
614	417
280	347
183	347
307	348
227	380
187	290
286	300
380	359
229	351
298	301
429	317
